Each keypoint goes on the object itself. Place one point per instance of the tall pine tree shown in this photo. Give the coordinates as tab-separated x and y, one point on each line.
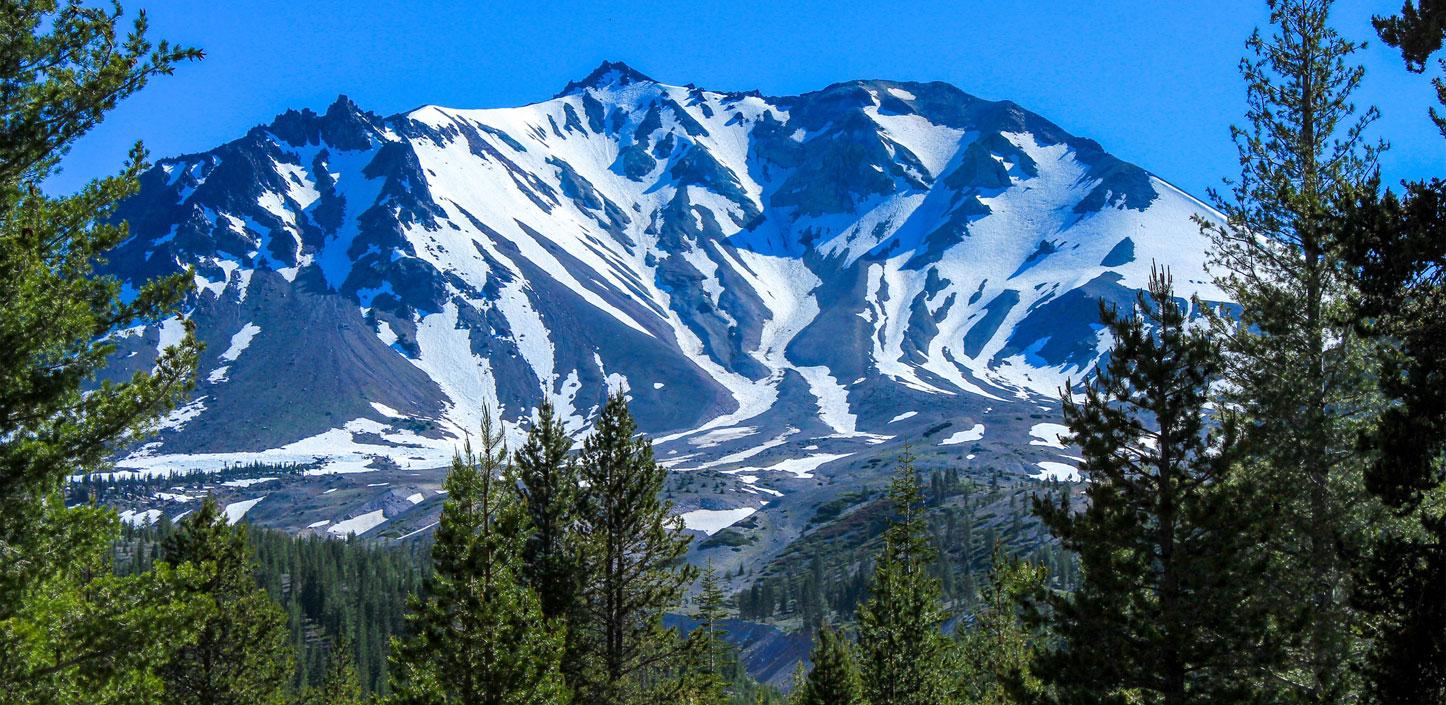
632	566
547	477
1297	371
704	677
903	653
1160	613
478	636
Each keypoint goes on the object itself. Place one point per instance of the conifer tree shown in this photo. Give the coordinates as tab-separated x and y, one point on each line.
1395	249
632	566
1162	609
69	630
903	653
242	652
1297	372
477	633
997	652
708	660
341	684
64	68
834	678
72	631
547	479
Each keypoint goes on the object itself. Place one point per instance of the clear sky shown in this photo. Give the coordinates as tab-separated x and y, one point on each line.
1155	82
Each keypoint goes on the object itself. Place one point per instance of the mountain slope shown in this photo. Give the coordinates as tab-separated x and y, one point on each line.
788	287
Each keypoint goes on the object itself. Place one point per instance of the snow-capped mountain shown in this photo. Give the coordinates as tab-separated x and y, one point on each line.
780	283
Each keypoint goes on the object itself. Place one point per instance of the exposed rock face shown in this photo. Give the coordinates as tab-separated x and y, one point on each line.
793	274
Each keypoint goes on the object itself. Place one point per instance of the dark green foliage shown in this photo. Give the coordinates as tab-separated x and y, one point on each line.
60	71
834	679
709	656
339	591
342	598
73	632
340	686
477	634
1418	33
1160	611
902	650
241	654
1395	248
1299	378
546	476
70	630
632	573
996	652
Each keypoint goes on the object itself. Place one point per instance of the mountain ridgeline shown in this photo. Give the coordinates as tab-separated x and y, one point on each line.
788	268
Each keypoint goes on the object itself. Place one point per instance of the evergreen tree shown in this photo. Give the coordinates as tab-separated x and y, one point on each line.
70	631
242	652
997	652
1161	610
341	685
903	652
1395	248
834	679
1297	372
547	478
631	558
63	70
73	632
477	635
705	676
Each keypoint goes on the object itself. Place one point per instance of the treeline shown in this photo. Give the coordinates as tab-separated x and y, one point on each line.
109	487
825	575
334	593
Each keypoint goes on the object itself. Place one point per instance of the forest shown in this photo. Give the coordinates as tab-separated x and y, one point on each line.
1262	517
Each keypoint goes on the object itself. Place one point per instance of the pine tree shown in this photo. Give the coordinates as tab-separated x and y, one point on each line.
547	478
70	631
242	653
1297	371
631	558
1395	248
477	634
834	679
73	632
997	652
341	684
56	308
548	481
709	655
903	652
1161	612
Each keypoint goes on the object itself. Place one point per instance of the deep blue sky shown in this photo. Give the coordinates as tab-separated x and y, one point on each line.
1154	82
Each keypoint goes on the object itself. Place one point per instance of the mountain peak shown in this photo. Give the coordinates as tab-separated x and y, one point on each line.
342	106
608	74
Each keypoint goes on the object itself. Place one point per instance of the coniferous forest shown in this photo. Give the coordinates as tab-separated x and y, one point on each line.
1262	517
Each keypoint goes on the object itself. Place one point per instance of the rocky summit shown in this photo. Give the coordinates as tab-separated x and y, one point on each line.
788	288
